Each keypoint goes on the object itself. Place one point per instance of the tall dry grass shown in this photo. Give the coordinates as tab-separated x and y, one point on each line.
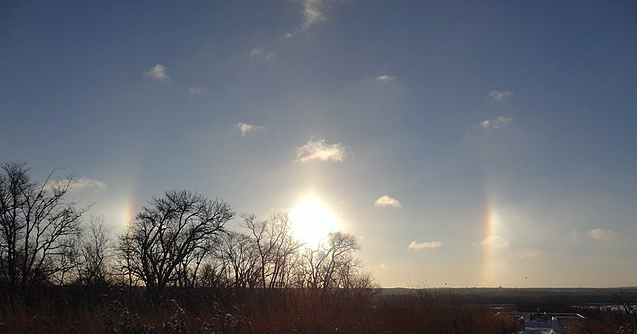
282	312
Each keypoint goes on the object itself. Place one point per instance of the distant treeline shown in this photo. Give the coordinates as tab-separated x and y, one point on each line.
523	299
177	242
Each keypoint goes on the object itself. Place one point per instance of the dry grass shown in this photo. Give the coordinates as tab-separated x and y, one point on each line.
285	313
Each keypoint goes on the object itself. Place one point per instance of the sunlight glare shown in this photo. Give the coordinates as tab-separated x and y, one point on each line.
312	222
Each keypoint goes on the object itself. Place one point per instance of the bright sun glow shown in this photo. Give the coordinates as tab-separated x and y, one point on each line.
312	222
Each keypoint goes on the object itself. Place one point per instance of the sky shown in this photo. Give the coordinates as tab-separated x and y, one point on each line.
464	143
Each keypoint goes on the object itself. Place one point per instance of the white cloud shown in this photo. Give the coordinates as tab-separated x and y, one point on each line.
312	13
601	234
385	78
86	183
157	72
388	201
500	96
319	150
261	55
424	245
383	267
249	128
494	242
495	123
197	90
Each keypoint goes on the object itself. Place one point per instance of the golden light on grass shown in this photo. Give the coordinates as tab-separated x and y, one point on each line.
312	221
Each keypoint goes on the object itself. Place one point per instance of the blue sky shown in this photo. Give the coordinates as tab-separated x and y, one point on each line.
465	143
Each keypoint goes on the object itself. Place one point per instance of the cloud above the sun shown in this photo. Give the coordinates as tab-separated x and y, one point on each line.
320	150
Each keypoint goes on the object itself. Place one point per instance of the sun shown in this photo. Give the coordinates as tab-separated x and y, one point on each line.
312	222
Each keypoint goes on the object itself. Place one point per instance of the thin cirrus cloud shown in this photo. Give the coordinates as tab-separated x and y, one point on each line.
197	90
388	201
157	72
500	96
319	150
496	123
601	234
80	184
417	246
86	183
385	78
313	13
246	128
494	242
260	55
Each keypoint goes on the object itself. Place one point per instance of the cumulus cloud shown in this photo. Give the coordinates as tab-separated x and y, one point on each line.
388	201
601	234
157	72
321	151
249	128
260	55
495	123
494	242
424	245
197	90
385	78
500	96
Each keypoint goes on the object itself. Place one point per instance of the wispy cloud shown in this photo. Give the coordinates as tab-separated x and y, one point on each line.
260	55
313	13
385	78
601	234
157	72
321	151
533	255
494	242
424	245
249	128
500	96
388	201
496	123
197	90
86	183
575	236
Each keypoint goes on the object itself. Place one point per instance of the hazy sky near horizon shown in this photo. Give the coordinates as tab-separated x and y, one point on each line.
466	143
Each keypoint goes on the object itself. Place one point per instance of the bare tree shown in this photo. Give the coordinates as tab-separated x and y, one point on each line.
95	254
239	254
167	233
37	226
276	247
332	264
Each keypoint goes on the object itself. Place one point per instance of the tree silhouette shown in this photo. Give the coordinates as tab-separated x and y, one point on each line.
168	234
37	227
